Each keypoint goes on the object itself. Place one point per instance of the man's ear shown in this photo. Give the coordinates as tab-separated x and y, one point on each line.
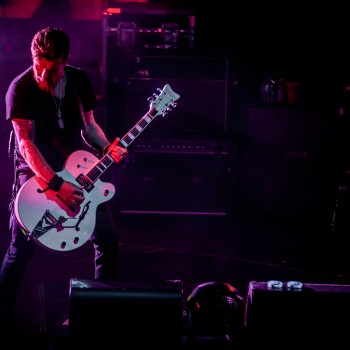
65	62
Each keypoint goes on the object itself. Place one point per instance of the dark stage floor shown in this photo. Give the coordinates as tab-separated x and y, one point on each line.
236	249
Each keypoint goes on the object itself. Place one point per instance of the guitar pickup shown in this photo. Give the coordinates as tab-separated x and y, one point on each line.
85	182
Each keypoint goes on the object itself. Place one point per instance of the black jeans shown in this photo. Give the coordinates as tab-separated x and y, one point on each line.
21	249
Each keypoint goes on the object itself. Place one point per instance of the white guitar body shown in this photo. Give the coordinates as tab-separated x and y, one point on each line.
53	223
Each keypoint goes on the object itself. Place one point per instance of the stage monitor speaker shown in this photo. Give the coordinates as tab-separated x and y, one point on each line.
112	314
286	159
313	317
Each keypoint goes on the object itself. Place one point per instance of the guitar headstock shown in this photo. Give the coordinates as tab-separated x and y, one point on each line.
163	101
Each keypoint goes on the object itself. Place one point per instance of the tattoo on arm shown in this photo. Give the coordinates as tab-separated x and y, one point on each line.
25	134
24	129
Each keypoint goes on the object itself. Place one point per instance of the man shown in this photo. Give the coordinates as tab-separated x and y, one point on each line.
47	105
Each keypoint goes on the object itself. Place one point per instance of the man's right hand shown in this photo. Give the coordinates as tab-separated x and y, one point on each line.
72	193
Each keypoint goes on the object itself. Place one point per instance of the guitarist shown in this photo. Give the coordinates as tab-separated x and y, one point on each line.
49	105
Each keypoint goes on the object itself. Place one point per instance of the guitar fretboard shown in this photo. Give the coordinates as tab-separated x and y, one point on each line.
106	161
131	135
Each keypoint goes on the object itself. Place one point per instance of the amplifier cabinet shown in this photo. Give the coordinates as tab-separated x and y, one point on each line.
315	317
286	159
201	83
174	183
107	313
200	110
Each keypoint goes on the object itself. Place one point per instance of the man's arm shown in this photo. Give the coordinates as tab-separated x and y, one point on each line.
99	139
25	133
96	134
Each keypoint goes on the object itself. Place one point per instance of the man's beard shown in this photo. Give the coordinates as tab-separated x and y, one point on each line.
45	85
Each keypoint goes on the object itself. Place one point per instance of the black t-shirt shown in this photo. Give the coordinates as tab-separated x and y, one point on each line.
24	100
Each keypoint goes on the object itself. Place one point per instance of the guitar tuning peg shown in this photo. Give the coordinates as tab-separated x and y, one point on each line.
165	114
159	90
174	105
150	99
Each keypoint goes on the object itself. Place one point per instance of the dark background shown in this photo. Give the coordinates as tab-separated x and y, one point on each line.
218	78
226	187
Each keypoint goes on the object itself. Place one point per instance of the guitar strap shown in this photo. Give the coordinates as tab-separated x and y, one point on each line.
85	135
11	152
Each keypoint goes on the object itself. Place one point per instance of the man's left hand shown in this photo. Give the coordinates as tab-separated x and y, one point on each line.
117	152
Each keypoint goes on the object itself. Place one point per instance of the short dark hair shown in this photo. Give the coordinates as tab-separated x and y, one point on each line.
50	43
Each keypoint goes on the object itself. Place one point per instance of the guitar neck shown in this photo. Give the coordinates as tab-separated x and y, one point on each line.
136	130
106	161
160	105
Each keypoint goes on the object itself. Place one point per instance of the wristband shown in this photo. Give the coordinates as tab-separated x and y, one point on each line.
55	183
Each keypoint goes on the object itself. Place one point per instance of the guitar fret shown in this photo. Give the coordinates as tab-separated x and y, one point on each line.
124	143
95	172
143	122
131	136
147	118
101	166
101	170
127	141
105	166
134	132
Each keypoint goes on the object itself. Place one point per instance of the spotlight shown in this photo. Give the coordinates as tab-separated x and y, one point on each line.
215	310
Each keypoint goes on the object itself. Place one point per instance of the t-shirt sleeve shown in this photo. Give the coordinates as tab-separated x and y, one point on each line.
16	102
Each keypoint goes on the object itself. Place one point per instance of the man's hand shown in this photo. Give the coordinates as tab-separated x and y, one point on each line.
72	193
117	152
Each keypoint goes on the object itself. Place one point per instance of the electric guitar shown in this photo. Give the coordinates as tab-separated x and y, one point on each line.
55	224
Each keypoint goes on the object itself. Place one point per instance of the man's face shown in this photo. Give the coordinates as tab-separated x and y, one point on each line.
47	73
